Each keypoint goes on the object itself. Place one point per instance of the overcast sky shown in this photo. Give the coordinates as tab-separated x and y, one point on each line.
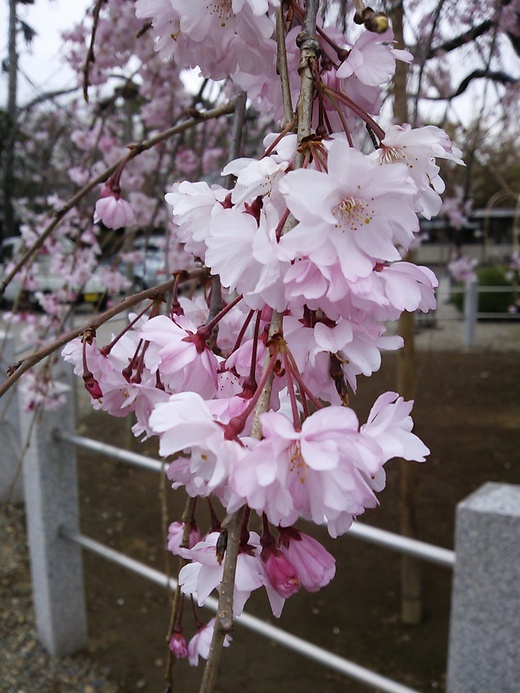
45	66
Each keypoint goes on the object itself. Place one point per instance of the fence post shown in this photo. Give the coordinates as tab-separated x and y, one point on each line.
484	654
470	312
11	484
51	492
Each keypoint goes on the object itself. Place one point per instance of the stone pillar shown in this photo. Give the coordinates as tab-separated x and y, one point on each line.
470	312
50	484
11	484
484	648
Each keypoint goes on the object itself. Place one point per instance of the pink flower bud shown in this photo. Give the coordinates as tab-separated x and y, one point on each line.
281	574
112	210
178	644
175	533
314	565
92	386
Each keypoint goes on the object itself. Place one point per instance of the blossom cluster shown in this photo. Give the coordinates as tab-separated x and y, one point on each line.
248	392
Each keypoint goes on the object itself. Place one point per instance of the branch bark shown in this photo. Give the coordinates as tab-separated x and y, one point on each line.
461	40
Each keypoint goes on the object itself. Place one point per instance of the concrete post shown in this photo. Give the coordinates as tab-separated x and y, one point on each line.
484	651
470	312
11	484
51	493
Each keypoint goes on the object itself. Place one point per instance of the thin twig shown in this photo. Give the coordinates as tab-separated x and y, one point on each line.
177	598
90	53
224	621
234	152
281	65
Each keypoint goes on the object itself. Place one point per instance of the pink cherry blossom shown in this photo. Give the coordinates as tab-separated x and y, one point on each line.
113	210
463	269
184	360
281	573
200	643
314	565
372	59
418	148
204	574
319	472
176	532
389	423
349	214
185	423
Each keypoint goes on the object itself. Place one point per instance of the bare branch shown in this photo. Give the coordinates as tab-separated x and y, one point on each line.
499	76
48	96
461	40
90	53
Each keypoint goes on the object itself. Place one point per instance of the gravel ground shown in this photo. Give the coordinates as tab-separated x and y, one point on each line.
25	667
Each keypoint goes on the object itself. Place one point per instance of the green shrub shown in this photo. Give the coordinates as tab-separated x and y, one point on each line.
489	302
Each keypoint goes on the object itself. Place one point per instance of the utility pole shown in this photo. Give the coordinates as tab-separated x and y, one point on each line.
8	226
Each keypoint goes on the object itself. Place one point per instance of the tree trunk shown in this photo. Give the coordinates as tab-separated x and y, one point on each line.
411	587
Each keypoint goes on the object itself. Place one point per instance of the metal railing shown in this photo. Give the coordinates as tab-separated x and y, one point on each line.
372	535
302	647
422	550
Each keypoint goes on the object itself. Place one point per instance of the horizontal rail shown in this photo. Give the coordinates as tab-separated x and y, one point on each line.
107	450
379	537
397	542
479	289
266	630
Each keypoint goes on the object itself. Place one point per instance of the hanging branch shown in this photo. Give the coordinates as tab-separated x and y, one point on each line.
134	150
281	65
90	53
309	47
177	598
462	40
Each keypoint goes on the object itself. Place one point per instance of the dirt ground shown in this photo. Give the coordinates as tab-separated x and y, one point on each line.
467	412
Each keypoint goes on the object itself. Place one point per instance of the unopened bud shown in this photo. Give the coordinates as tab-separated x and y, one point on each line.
377	22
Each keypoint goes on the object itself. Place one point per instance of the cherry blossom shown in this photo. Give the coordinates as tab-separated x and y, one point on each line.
204	573
113	210
243	371
321	472
200	643
314	565
349	214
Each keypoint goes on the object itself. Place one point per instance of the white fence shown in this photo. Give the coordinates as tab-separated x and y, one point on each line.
471	315
485	626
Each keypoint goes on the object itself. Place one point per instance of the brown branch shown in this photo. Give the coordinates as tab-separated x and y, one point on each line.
177	598
90	53
21	367
461	40
48	96
134	150
281	66
224	621
498	76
